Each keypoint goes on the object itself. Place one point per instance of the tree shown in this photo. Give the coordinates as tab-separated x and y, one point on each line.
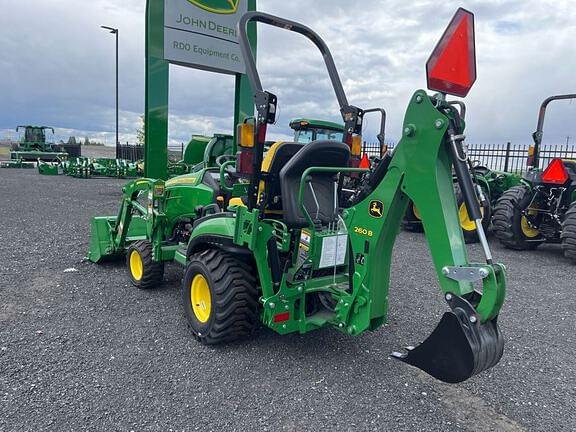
86	141
140	132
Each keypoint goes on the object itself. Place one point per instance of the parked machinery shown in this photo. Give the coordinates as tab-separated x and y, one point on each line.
542	209
264	239
34	146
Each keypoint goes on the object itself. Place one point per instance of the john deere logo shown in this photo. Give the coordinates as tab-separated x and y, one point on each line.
376	209
222	7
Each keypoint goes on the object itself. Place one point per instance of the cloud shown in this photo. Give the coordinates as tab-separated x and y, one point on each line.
57	66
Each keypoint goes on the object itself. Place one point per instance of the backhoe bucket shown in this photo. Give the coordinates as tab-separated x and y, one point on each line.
457	349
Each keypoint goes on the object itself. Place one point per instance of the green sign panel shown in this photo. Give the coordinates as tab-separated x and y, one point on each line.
217	6
194	33
203	34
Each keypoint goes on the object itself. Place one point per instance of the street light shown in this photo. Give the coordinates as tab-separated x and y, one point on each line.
115	32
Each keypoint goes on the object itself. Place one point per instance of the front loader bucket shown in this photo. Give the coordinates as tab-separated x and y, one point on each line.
457	349
101	241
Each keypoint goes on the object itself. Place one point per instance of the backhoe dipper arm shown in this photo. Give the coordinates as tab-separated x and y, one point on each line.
467	340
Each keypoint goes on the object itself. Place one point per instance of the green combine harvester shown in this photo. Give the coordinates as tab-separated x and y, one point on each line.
263	237
33	146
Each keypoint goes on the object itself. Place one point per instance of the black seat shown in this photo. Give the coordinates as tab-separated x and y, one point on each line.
319	193
276	158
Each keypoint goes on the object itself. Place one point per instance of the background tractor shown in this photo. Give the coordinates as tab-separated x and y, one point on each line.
264	239
308	130
34	146
490	185
543	207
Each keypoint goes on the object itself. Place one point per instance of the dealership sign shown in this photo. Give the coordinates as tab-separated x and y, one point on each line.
203	34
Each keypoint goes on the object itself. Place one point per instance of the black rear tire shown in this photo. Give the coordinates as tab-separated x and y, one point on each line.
469	227
507	220
412	221
231	308
568	235
144	272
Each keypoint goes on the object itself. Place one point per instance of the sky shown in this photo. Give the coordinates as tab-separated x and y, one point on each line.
57	67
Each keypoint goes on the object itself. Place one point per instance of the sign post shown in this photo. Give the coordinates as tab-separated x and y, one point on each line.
200	34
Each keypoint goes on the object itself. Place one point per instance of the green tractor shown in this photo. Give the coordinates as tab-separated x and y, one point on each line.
33	145
489	185
542	209
264	240
308	130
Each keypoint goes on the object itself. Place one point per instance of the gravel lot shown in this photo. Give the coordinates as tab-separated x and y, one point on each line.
83	350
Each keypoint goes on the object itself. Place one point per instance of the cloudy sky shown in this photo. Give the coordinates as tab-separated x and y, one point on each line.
57	66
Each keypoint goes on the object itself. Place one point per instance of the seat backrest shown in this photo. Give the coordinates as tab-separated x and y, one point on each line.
320	193
278	155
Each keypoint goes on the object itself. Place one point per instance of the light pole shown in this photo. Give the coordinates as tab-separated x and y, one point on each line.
115	32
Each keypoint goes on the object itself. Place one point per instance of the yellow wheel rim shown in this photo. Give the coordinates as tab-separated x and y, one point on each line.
416	212
136	265
200	298
527	230
466	223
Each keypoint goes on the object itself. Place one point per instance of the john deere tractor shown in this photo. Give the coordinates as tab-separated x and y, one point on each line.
542	209
264	239
490	185
33	145
308	130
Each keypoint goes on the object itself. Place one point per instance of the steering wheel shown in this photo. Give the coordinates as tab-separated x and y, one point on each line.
222	159
227	174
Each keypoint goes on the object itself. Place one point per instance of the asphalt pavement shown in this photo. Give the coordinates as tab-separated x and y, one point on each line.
81	349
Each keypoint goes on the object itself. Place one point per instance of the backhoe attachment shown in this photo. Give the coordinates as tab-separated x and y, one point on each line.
459	347
467	340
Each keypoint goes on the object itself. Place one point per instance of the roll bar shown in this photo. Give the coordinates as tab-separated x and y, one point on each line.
381	134
537	135
293	26
266	102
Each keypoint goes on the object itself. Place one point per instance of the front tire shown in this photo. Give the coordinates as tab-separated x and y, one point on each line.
509	225
220	297
568	235
144	272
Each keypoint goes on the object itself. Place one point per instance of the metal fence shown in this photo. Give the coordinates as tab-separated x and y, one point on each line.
134	152
502	157
131	152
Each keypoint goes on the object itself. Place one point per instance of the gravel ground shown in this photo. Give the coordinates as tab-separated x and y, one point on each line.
83	350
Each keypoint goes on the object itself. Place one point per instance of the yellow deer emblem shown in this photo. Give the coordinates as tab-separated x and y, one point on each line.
376	209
